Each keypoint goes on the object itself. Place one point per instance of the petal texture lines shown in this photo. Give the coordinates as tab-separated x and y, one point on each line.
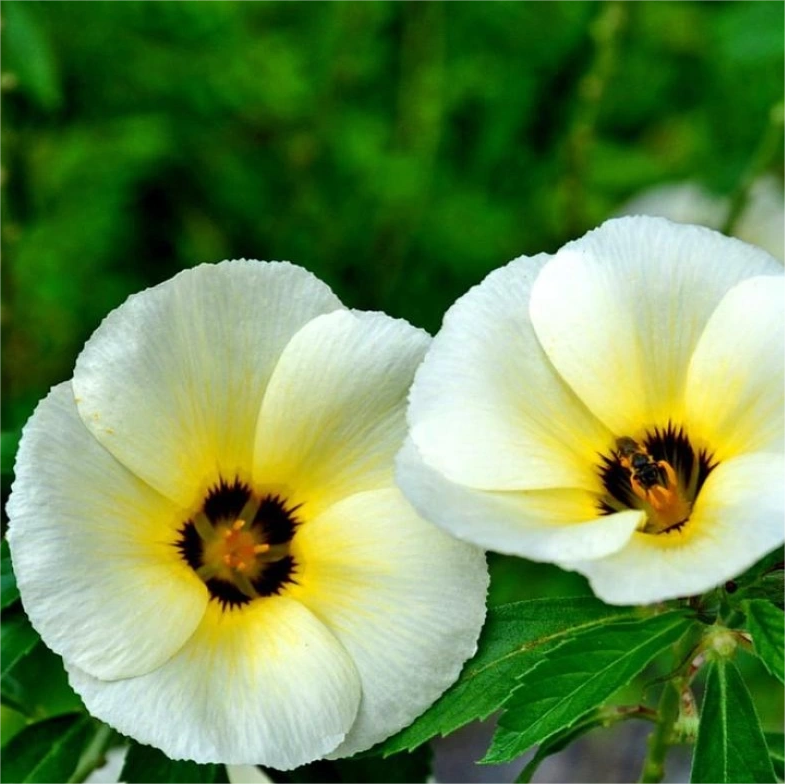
487	409
406	600
93	551
735	385
544	525
620	311
268	685
172	381
333	416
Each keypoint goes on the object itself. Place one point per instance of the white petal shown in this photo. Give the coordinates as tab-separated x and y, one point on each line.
333	416
543	525
93	550
487	409
620	311
735	383
267	684
406	600
172	381
737	519
247	774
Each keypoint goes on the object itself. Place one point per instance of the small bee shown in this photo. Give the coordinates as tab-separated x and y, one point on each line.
656	483
644	470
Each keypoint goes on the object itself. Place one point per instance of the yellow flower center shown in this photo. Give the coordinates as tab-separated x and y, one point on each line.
660	474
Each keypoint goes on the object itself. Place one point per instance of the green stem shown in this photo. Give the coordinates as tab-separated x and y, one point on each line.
94	756
660	739
770	144
668	711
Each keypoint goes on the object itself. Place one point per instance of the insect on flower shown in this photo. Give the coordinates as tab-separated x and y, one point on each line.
654	482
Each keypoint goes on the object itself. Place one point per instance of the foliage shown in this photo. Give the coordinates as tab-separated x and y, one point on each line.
400	151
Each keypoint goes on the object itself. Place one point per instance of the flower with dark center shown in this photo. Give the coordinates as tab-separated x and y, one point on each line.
616	408
204	524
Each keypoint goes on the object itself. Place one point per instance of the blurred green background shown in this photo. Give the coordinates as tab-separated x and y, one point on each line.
400	151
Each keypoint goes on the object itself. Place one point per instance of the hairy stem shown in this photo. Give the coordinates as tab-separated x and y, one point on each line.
660	739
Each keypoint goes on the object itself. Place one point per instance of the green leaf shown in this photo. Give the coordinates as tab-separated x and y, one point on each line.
144	764
402	768
514	639
9	593
47	751
578	676
18	638
776	743
763	580
731	746
766	624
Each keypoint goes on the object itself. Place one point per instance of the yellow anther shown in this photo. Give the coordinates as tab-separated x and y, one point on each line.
261	548
227	559
238	524
241	566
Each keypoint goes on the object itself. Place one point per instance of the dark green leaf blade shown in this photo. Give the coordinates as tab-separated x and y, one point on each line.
18	638
731	746
145	764
514	639
9	593
776	743
47	751
578	676
766	624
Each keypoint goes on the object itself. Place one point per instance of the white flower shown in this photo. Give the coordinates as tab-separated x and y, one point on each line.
204	524
762	221
616	408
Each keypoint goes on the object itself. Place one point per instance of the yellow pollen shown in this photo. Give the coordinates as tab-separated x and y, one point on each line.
261	548
666	504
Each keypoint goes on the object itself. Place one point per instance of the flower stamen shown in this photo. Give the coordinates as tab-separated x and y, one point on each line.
661	475
238	543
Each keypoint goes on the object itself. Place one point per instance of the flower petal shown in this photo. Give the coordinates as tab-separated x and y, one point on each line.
488	410
735	382
333	416
620	311
267	684
247	774
172	381
737	519
92	548
406	600
543	525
